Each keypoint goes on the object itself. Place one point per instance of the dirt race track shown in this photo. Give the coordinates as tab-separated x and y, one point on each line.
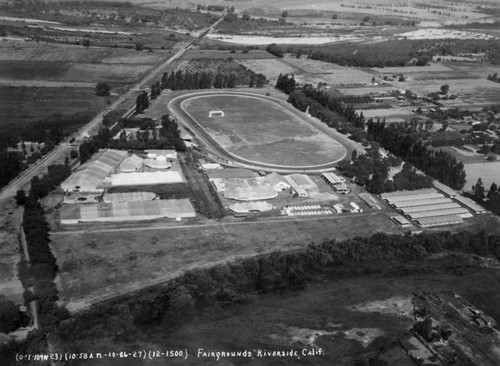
258	132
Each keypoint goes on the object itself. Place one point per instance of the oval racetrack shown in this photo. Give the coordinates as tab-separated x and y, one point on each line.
257	131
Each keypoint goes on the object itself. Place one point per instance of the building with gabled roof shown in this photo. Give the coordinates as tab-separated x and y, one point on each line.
90	176
131	164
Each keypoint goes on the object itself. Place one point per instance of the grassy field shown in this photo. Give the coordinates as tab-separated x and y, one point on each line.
94	263
25	105
261	130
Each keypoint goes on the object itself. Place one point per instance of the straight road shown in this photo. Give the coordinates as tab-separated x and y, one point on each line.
277	220
59	152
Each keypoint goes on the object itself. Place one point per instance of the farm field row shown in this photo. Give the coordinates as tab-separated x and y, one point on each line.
79	72
25	105
31	51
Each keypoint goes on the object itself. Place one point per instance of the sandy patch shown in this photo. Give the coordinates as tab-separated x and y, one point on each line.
263	40
434	33
308	337
398	305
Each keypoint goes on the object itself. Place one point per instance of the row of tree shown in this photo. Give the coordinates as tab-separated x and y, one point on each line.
403	141
205	80
38	276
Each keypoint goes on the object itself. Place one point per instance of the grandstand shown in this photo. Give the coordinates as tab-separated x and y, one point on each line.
89	177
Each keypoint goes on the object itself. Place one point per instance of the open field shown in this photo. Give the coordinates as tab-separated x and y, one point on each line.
25	105
489	172
93	264
262	130
314	71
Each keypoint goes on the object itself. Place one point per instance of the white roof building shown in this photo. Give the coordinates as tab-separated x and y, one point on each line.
277	182
161	154
145	178
90	176
131	164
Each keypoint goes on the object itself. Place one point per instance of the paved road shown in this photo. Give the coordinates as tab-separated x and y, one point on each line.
59	152
175	105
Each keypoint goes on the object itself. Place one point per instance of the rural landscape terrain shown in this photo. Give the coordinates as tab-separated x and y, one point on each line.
249	182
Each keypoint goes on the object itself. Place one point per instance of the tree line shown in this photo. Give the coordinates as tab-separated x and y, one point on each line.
325	107
405	142
38	276
371	171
